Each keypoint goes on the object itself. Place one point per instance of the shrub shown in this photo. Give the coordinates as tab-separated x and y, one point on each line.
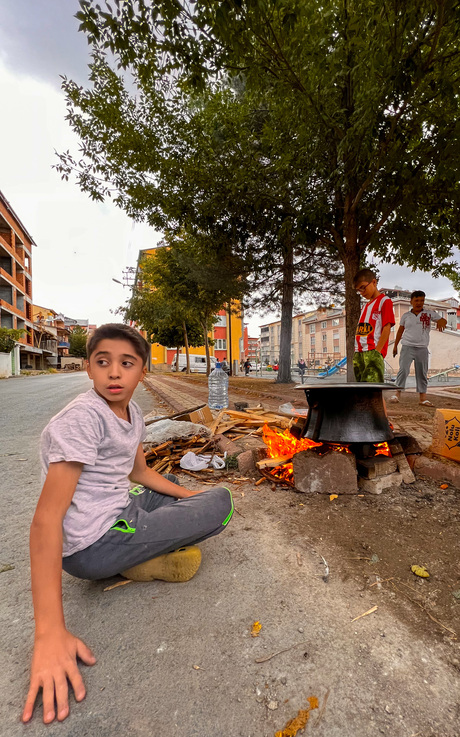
8	339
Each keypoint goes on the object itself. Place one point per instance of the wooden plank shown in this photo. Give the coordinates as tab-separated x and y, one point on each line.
273	462
176	414
216	422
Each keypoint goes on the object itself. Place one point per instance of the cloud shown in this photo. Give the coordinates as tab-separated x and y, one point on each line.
41	40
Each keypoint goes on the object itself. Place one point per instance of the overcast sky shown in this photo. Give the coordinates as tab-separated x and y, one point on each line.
81	245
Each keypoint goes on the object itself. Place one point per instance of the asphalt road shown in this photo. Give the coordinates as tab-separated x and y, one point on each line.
179	659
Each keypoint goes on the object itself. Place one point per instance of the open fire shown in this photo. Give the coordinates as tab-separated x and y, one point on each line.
282	446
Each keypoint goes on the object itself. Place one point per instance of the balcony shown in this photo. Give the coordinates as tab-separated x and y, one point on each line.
63	344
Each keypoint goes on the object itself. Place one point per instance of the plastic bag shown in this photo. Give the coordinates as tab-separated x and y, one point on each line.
291	411
193	462
160	432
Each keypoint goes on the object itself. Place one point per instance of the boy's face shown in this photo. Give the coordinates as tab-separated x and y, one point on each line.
367	289
417	304
115	369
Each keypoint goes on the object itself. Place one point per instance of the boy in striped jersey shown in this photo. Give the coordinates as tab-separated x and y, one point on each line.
373	330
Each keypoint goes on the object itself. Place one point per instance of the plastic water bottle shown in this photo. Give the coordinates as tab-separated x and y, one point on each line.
218	388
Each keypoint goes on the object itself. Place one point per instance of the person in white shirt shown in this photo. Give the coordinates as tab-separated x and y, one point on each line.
414	334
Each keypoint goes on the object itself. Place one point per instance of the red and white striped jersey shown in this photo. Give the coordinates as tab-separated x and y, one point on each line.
374	316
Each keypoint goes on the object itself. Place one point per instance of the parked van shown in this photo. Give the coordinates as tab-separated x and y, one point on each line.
197	363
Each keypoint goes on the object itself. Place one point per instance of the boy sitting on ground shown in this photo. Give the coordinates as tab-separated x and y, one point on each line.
90	524
373	330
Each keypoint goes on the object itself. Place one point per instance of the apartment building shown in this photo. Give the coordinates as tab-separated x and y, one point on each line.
51	334
324	337
249	347
270	337
16	285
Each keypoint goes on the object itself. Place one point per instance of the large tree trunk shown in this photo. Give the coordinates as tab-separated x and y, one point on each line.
187	354
287	304
351	262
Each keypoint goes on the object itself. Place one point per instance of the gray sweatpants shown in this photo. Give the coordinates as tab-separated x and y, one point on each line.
152	524
419	355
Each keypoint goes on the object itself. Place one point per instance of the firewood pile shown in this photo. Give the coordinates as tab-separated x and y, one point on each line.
165	457
235	425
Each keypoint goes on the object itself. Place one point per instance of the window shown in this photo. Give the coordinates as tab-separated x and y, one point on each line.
221	321
313	328
336	335
324	349
221	344
324	324
335	321
336	349
324	337
312	340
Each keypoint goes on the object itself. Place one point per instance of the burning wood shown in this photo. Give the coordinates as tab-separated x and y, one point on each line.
273	462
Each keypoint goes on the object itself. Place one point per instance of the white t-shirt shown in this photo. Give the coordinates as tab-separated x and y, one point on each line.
89	432
417	327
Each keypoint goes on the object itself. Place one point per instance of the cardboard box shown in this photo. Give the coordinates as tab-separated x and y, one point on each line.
446	434
203	416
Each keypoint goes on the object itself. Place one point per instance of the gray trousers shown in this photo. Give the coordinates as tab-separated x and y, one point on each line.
152	524
419	355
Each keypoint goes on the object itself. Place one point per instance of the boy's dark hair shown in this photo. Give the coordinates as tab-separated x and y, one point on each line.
118	331
364	274
418	293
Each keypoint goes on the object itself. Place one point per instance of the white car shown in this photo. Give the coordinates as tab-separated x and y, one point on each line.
197	363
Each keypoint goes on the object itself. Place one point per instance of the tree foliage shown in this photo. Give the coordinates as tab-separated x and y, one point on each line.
355	114
182	286
77	340
8	339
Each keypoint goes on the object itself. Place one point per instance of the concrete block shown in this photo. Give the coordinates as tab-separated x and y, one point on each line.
376	486
408	443
332	473
247	464
224	444
371	468
404	468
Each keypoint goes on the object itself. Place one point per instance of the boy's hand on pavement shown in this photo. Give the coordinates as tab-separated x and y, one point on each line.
54	663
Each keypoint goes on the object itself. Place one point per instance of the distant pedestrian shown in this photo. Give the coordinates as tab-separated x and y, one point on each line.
373	329
247	366
224	365
302	367
414	334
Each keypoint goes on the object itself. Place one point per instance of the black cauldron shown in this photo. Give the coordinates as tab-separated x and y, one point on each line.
346	413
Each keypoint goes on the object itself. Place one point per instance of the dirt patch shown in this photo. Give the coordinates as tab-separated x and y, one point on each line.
372	539
375	540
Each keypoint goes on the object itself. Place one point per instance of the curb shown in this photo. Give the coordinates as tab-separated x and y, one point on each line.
438	470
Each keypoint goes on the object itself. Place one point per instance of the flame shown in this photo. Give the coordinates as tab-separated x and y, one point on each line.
282	443
382	449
